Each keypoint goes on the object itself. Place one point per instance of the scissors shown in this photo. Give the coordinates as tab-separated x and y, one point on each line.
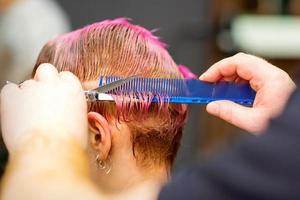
93	95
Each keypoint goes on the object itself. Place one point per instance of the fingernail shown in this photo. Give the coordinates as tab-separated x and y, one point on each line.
202	77
213	108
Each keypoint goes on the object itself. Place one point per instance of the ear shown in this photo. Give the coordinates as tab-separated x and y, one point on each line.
99	134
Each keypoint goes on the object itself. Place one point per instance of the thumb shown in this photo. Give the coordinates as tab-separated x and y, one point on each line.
249	119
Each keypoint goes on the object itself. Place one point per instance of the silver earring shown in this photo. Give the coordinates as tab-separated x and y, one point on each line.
103	165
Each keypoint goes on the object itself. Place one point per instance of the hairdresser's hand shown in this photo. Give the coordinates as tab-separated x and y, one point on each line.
273	87
52	103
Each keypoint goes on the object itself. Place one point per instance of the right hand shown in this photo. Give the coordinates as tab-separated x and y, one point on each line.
52	104
273	87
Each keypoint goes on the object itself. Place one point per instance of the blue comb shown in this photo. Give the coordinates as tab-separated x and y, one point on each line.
183	91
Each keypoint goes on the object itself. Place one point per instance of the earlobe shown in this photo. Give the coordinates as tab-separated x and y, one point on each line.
99	134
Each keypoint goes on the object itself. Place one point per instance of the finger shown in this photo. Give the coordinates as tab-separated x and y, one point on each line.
9	89
243	65
223	68
46	72
243	117
27	83
8	92
70	78
229	78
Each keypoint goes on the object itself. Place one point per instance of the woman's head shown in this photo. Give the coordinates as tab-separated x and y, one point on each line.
118	48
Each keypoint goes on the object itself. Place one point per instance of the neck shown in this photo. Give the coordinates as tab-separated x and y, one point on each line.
146	190
126	178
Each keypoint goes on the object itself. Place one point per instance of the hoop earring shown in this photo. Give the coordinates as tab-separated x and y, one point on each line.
103	165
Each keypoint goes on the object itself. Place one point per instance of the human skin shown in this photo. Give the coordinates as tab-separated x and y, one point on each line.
273	87
50	137
52	140
37	142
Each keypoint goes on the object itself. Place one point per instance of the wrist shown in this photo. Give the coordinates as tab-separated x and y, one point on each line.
56	166
39	135
38	152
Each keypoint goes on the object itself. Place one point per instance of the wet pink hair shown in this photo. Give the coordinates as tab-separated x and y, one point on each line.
119	48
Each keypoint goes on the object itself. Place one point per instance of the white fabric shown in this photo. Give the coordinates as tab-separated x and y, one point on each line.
25	28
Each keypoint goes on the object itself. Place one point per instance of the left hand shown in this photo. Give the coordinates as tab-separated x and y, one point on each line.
52	104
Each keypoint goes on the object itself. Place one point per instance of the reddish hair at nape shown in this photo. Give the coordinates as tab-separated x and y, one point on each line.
119	48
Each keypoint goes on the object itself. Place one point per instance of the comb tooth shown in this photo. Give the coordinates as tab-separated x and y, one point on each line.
143	85
147	84
176	87
133	88
100	81
171	86
165	87
128	85
155	85
138	85
160	86
181	87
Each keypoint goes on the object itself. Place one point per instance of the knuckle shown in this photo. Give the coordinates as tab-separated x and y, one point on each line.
67	74
27	83
45	66
281	76
240	54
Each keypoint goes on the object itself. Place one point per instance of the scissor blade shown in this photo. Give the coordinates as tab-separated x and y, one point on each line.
113	85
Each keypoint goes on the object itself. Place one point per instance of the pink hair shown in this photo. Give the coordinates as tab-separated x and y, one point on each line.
186	72
119	48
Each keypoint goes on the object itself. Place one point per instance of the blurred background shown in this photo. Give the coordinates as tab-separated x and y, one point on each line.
198	34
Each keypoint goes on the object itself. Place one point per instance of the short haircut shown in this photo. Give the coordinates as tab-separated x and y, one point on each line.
119	48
